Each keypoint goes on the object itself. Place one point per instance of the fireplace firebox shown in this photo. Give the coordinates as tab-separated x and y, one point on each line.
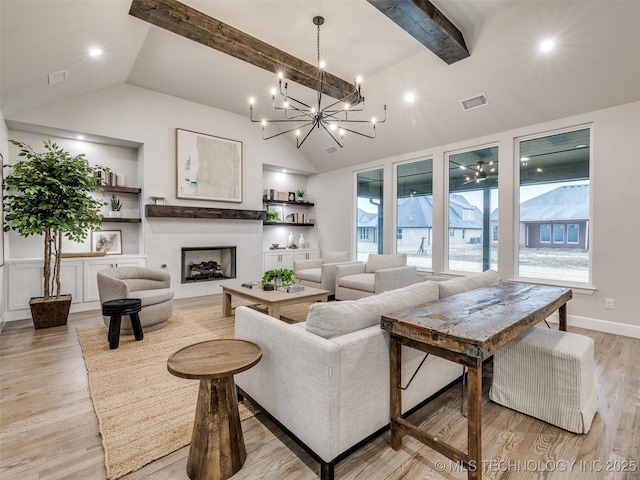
207	264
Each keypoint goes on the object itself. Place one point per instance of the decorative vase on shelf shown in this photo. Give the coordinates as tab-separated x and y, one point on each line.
290	240
114	214
301	241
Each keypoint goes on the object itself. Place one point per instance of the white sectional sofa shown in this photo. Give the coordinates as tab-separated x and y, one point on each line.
326	380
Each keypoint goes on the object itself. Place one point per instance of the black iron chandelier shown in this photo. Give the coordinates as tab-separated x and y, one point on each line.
333	118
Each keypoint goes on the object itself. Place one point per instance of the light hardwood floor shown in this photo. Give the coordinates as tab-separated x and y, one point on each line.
48	429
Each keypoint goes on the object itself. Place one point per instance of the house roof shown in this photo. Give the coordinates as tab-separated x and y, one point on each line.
563	203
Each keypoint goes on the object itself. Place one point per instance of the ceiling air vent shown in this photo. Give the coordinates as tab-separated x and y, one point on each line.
57	77
331	150
474	102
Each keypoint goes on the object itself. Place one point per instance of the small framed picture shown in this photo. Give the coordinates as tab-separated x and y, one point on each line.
108	241
292	196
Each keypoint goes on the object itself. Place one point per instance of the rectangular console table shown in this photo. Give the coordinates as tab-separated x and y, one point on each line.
466	328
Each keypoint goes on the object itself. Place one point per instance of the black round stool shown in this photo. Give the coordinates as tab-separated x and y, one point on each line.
115	309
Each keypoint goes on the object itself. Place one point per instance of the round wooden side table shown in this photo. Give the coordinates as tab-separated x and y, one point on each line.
217	446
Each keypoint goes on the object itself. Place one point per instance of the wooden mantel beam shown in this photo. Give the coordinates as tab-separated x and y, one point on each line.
195	25
424	22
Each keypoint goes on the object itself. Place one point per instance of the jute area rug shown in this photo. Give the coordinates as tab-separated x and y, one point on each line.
144	412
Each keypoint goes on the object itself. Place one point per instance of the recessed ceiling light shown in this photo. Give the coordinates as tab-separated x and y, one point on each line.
80	137
547	45
524	159
582	145
409	97
94	52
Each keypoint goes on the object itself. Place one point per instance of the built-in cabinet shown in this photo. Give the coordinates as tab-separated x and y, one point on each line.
281	258
78	277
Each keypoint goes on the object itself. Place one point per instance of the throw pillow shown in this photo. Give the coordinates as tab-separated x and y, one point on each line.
336	257
338	318
381	262
463	284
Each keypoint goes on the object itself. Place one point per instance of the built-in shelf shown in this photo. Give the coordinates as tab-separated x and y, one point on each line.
120	220
290	224
180	211
287	202
109	188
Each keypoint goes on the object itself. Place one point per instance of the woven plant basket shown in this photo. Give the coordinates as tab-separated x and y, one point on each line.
52	313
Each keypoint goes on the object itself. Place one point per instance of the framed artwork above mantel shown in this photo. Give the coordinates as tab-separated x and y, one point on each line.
208	167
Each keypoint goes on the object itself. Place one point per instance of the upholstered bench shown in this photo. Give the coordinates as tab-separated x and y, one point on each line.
548	374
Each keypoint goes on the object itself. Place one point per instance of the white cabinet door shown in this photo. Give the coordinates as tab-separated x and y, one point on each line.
306	255
92	267
26	281
273	260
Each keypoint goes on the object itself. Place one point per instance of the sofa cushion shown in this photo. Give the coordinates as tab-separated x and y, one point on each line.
333	319
310	275
463	284
335	257
359	281
381	262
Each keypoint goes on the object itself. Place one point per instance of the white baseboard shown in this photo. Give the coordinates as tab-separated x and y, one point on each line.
599	325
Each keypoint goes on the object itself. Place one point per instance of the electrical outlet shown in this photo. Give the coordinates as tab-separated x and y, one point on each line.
609	303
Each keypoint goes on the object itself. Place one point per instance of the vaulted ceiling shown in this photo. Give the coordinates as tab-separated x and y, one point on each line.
595	63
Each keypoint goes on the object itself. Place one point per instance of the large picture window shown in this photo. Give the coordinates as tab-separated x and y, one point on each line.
473	200
414	212
554	206
369	188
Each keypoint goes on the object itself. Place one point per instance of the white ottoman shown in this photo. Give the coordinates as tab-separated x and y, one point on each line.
549	375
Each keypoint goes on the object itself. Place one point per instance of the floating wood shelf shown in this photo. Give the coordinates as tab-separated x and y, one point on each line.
110	188
180	211
121	220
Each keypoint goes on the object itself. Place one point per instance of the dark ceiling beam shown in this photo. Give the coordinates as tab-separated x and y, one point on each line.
195	25
424	22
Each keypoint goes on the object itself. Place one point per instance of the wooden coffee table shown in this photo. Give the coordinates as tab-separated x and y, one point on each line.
273	299
217	449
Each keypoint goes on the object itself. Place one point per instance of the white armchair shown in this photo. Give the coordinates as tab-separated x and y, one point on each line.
380	274
152	287
321	273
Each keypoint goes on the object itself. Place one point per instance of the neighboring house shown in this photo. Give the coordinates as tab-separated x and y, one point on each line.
556	219
415	222
367	227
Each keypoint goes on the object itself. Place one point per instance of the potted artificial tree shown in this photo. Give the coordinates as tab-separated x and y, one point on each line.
48	194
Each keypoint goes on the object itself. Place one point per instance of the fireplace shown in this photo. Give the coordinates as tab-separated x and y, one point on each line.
207	264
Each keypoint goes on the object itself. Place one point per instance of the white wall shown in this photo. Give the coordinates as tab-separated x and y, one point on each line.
615	199
150	119
3	294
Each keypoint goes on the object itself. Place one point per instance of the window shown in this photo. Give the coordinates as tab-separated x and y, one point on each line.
414	211
554	200
495	233
573	233
473	199
545	233
558	233
369	214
